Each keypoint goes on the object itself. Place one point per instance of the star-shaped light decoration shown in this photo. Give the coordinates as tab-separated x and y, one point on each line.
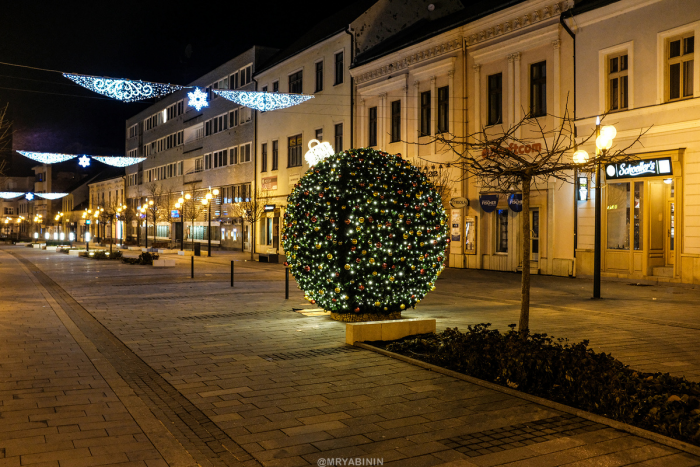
29	196
197	99
84	161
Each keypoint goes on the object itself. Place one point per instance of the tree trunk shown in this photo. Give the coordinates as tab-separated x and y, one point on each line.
252	241
524	324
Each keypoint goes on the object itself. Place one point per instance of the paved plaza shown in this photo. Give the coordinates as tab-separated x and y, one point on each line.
104	363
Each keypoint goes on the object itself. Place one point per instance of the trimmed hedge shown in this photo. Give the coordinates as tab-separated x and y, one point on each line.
571	374
144	258
104	254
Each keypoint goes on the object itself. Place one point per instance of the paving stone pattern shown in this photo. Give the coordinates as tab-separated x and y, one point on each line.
329	404
523	434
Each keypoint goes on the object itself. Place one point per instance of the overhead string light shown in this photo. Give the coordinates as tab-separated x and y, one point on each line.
30	196
83	159
263	101
47	157
125	90
119	161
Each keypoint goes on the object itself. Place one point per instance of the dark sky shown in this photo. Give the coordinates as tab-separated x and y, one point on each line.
152	41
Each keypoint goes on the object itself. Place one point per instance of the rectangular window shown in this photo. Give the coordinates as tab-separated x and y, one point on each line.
425	105
233	118
244	153
275	155
339	68
617	82
276	86
268	230
263	157
501	231
618	212
338	137
495	99
395	121
680	67
294	151
245	75
233	80
234	155
295	82
443	104
319	134
372	126
319	77
538	89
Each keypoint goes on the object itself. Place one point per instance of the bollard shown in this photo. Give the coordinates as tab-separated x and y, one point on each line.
286	283
192	267
231	273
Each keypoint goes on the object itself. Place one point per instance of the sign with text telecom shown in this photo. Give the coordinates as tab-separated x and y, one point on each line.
637	169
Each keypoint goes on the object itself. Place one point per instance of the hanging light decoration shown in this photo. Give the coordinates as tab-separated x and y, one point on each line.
119	161
84	161
197	99
10	194
47	157
125	90
51	195
263	101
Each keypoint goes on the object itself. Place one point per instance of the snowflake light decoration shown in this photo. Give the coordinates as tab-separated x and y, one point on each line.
47	157
123	89
29	196
197	99
263	101
119	161
10	194
84	161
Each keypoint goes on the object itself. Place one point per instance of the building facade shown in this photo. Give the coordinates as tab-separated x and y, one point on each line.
105	199
637	63
193	150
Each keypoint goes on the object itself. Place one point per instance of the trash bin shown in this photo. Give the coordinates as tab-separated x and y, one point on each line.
198	249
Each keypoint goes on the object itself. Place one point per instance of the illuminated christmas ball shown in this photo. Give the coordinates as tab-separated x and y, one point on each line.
374	225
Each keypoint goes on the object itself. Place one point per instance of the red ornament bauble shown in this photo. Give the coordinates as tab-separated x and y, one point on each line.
408	221
430	199
422	271
370	218
306	193
358	260
334	300
361	287
357	310
286	263
313	302
320	195
347	221
307	268
313	219
400	192
384	266
378	244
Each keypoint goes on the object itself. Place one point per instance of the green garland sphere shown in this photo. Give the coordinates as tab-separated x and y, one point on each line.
365	232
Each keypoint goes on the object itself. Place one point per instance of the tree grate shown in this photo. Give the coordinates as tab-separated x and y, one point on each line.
226	315
307	353
524	434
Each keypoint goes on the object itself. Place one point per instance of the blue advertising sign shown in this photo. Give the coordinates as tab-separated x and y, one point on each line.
515	201
174	213
488	202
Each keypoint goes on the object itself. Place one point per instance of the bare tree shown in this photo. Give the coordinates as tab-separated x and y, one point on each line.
192	209
5	143
252	211
154	209
439	174
167	202
520	156
127	216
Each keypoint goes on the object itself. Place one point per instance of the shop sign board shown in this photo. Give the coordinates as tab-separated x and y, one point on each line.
582	188
489	203
270	207
515	202
269	183
459	202
175	213
661	167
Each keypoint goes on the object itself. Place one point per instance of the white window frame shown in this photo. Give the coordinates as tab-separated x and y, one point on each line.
242	151
661	60
603	81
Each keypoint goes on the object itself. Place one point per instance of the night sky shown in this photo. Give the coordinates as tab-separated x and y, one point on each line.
152	41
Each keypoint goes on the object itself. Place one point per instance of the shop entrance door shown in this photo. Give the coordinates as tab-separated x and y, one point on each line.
534	236
670	232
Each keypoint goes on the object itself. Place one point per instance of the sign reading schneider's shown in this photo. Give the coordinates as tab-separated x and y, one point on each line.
636	169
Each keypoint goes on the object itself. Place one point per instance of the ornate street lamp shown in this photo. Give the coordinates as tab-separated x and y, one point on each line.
603	142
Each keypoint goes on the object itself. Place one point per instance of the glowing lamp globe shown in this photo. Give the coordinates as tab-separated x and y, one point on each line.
180	201
365	235
188	196
603	143
204	201
608	131
216	192
209	196
580	157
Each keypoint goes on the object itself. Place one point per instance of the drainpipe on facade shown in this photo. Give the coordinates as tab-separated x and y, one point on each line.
573	37
253	186
352	88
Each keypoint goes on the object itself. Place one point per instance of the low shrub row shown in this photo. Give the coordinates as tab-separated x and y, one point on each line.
104	254
571	374
144	258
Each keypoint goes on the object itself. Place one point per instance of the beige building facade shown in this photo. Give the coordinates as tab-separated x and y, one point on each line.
638	63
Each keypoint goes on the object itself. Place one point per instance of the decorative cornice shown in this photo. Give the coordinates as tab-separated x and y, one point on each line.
476	68
556	44
518	23
416	83
413	59
514	57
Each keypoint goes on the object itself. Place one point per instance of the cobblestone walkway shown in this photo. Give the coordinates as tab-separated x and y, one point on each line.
239	369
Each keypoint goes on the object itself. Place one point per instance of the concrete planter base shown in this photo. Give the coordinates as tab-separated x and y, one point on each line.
185	253
387	330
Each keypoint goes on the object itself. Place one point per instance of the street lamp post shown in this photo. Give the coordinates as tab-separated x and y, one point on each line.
207	200
603	142
178	206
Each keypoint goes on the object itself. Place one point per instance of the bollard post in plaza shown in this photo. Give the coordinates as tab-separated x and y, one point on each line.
286	283
231	273
192	267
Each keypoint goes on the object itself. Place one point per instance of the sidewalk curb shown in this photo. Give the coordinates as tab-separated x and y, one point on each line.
661	439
